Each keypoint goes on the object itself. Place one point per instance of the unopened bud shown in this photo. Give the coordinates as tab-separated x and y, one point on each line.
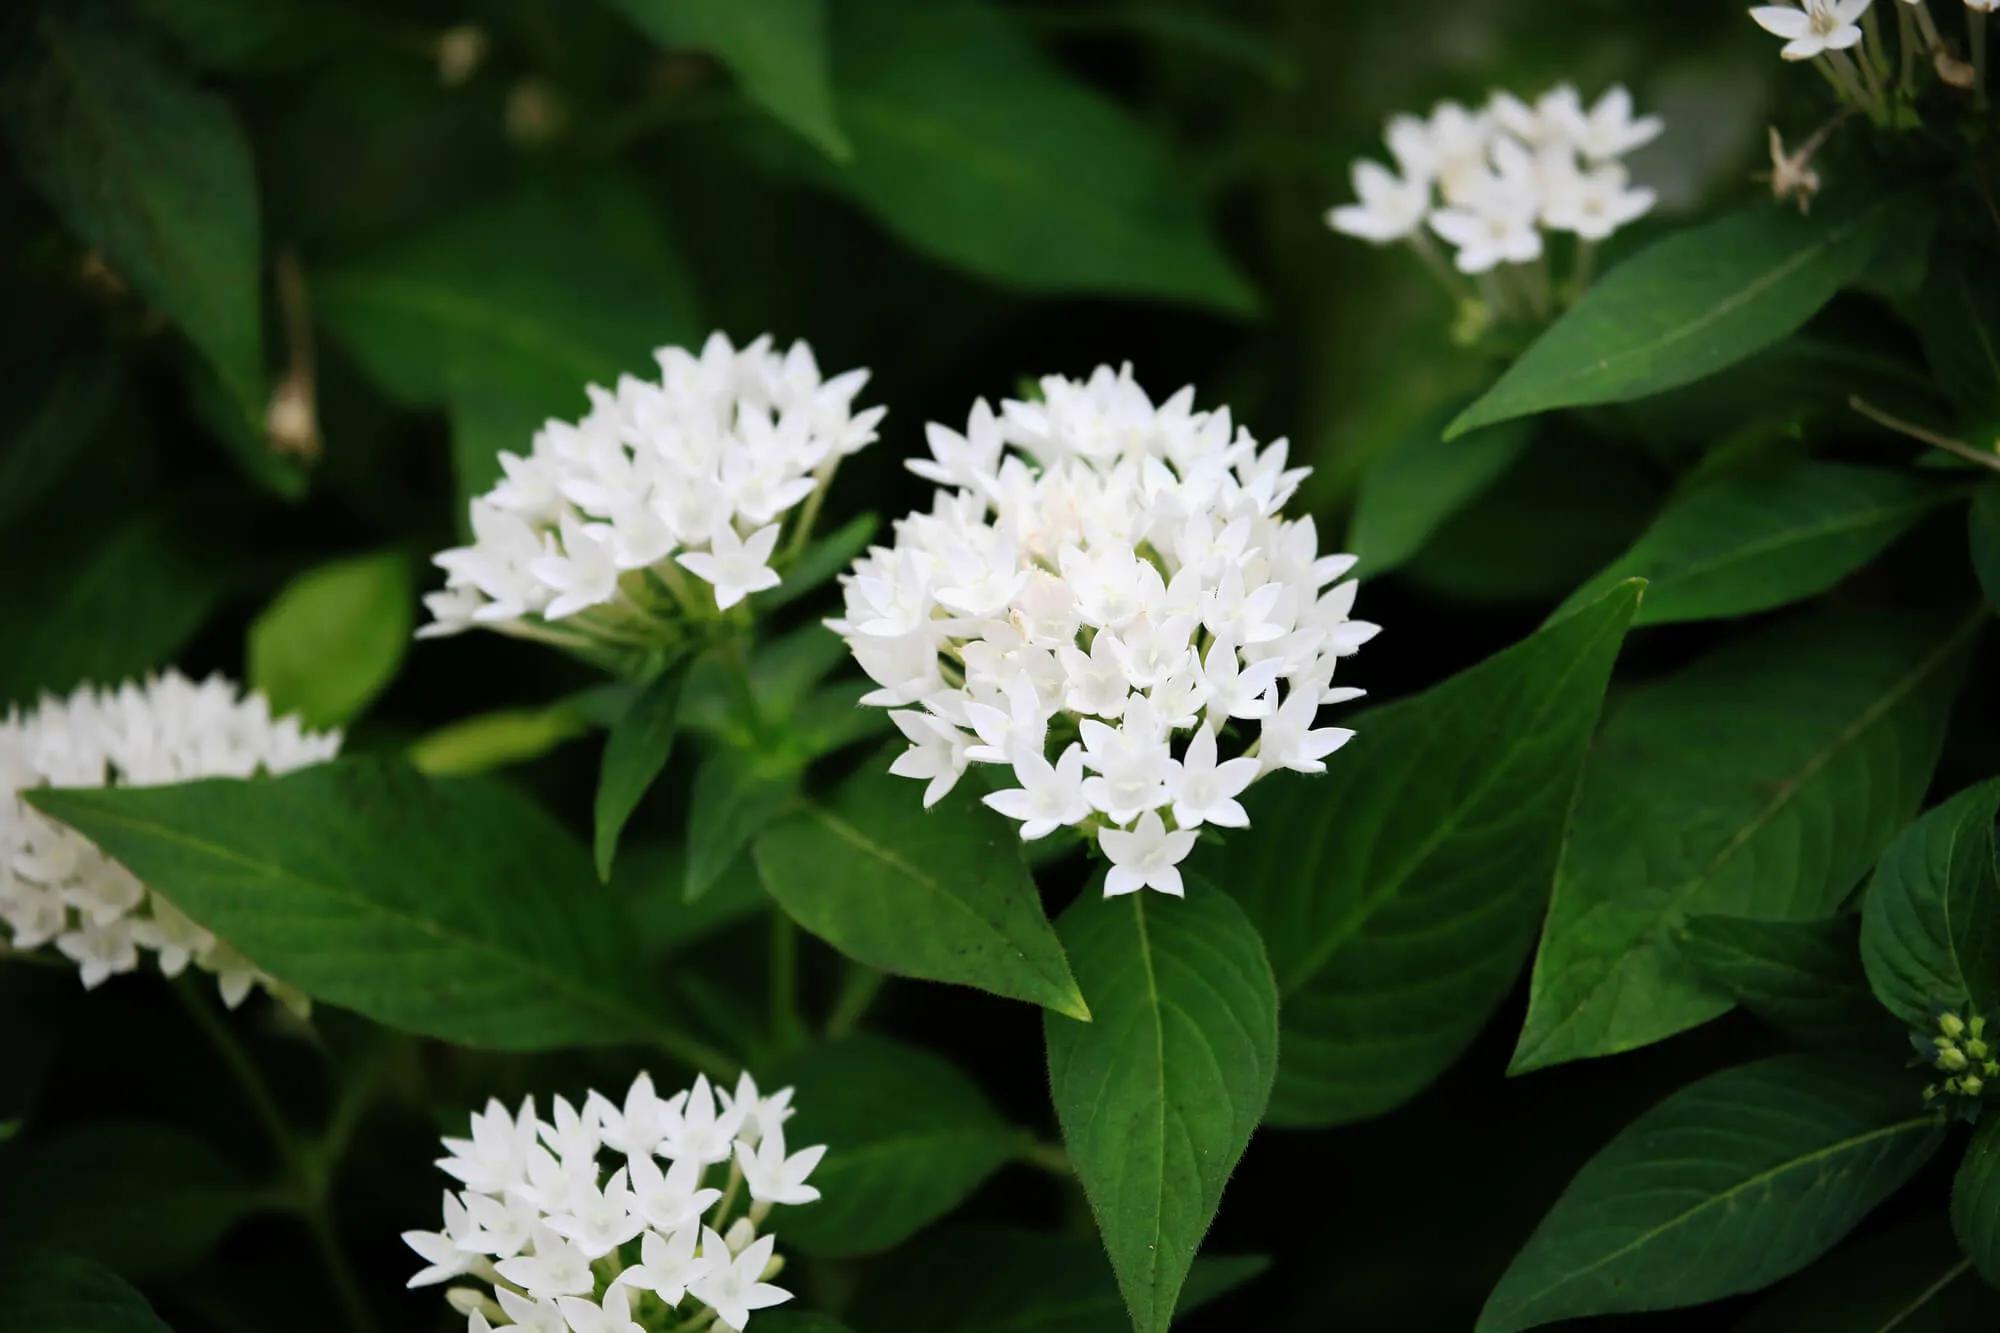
470	1300
1953	71
1977	1049
1951	1058
741	1232
534	113
290	422
1971	1085
1951	1025
460	52
772	1269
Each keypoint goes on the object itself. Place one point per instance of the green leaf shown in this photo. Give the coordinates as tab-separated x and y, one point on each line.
52	402
1736	1181
1802	977
777	48
1931	926
738	793
665	923
1958	318
454	908
493	740
1754	542
108	598
1975	1201
1001	1280
333	638
1760	782
1983	531
1688	306
820	561
1910	1280
1396	928
142	1199
635	754
46	1291
1159	1094
978	150
908	1138
1422	481
148	170
938	894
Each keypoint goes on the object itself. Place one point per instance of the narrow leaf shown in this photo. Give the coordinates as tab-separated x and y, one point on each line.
1754	542
738	792
908	1137
333	638
1975	1200
1396	927
47	1291
453	909
1159	1094
1931	927
635	754
1760	782
939	894
1802	977
1689	306
1730	1184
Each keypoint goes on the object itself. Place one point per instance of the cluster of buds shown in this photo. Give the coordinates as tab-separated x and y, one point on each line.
1959	1049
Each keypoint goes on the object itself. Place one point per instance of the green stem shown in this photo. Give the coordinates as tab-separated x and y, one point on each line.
1049	1157
1585	266
1924	436
857	992
802	530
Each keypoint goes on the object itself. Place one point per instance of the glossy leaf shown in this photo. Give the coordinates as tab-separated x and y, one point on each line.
1422	481
1754	542
1159	1094
939	894
738	793
1975	1200
151	172
333	638
1910	1280
1802	977
778	49
1760	782
454	908
908	1138
1931	926
635	754
1728	1185
1002	1280
1398	921
1698	301
974	147
47	1291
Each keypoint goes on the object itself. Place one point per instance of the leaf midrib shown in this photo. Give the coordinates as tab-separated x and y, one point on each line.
1875	517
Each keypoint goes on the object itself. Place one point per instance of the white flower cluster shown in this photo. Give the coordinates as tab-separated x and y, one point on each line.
57	887
1491	181
585	540
1120	576
568	1250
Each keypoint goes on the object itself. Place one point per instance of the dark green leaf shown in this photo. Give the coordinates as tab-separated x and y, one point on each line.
46	1291
738	792
635	754
333	638
1760	782
908	1138
1159	1094
972	146
1958	317
51	404
1420	483
1689	306
1911	1280
150	171
1802	977
1754	542
939	894
1983	530
1975	1201
454	908
664	920
995	1280
820	561
1730	1184
1931	926
778	49
1397	925
141	1199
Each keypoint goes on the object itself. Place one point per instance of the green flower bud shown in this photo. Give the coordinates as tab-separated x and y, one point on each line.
1951	1025
1950	1057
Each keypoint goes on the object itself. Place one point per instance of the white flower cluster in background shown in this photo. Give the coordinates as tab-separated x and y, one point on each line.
57	887
566	1247
590	537
1491	182
1099	581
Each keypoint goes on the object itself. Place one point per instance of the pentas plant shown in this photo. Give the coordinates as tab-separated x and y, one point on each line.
557	1245
1845	42
58	889
1098	580
663	506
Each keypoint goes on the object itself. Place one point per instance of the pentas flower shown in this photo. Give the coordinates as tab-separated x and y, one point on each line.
665	503
556	1243
1102	592
1817	27
58	889
1492	182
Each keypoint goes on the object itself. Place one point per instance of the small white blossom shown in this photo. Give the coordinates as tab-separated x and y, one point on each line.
733	1287
1391	208
1148	857
772	1176
1816	28
736	566
58	889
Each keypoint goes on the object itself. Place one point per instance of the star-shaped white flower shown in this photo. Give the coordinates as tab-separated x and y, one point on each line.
735	1287
446	1253
734	566
556	1268
1289	739
668	1264
668	1200
700	1134
1819	27
1391	207
937	753
1050	795
772	1176
1204	791
611	1315
1147	857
